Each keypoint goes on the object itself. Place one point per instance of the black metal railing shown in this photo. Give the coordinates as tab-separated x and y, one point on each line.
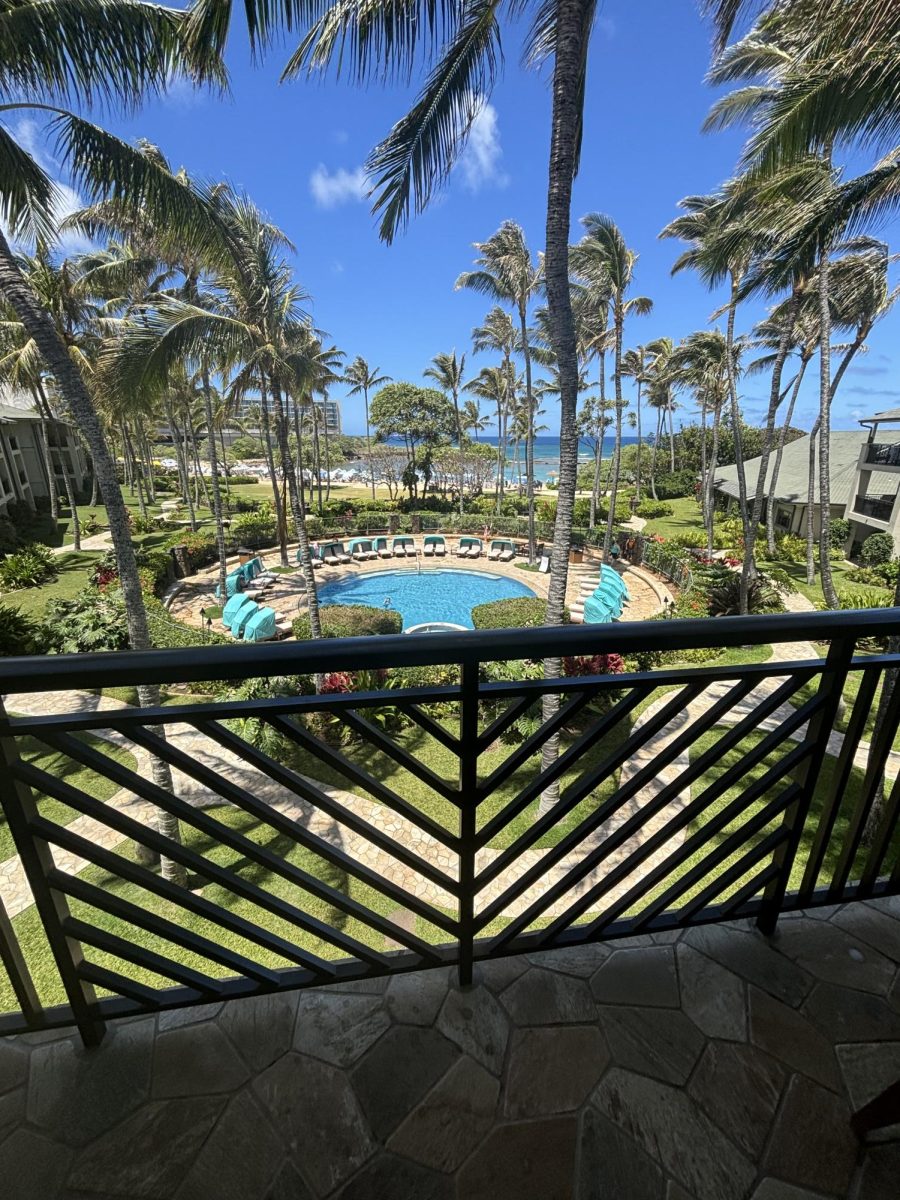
879	507
885	454
428	818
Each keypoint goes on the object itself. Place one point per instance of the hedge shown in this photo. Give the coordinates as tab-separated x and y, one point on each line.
350	620
524	612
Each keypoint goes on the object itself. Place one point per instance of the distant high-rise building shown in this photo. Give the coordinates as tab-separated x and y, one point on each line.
329	410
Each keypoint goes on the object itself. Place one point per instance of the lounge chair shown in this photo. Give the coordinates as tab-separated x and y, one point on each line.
361	550
240	622
264	625
315	556
470	547
398	547
233	606
329	556
502	551
438	545
234	583
410	548
337	549
381	547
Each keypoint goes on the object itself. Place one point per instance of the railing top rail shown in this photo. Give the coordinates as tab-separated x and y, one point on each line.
113	669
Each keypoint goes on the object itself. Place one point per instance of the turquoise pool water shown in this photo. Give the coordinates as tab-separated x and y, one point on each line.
434	595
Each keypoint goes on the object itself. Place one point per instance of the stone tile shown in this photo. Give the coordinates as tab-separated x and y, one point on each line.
880	1173
739	1088
339	1028
496	975
416	999
845	1015
676	1192
611	1166
393	1077
444	1129
580	961
867	1069
835	956
110	1081
776	1189
240	1158
754	959
670	1128
150	1153
316	1115
395	1178
366	987
536	1159
645	977
542	997
872	926
792	1038
553	1070
13	1066
713	998
174	1018
195	1060
288	1185
32	1167
12	1110
261	1027
812	1144
475	1021
658	1042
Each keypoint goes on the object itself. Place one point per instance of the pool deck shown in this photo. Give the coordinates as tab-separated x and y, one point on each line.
288	594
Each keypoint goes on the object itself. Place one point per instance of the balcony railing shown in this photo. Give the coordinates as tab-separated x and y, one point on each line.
879	507
885	454
343	835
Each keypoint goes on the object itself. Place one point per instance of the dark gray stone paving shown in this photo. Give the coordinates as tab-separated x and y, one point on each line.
712	1065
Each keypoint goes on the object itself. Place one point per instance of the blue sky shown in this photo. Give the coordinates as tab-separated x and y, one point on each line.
298	150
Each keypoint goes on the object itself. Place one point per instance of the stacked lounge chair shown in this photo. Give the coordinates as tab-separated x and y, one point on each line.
233	606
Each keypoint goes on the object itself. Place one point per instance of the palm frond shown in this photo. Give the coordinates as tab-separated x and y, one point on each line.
422	148
27	194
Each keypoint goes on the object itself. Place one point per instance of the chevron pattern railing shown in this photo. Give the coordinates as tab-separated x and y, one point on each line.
334	836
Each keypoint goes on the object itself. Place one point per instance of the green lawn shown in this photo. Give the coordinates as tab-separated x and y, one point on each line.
71	772
73	579
843	579
686	518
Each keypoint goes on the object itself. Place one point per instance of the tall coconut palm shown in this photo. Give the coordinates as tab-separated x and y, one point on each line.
447	372
507	274
603	251
497	386
472	418
497	332
634	366
659	394
362	377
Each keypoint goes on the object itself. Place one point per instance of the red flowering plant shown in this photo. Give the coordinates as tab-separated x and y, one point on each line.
583	665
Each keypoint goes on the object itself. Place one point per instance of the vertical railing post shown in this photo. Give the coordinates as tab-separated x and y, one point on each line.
468	789
13	960
819	729
20	807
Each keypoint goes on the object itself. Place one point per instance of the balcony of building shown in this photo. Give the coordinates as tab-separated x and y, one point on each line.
403	964
873	508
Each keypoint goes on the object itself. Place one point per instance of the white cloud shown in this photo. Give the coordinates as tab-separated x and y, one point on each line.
481	160
330	188
29	134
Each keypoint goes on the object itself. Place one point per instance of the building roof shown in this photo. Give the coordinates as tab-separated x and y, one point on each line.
890	414
793	476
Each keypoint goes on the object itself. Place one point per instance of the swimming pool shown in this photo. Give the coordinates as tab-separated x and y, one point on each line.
434	595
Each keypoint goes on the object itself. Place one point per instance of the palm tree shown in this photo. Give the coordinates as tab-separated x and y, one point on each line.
472	418
363	377
634	366
593	422
507	274
602	252
497	386
498	333
659	395
447	372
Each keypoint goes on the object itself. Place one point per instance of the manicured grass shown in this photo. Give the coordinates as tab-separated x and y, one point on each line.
72	580
686	518
843	579
73	773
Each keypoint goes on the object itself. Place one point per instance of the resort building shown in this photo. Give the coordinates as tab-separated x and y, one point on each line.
23	470
865	475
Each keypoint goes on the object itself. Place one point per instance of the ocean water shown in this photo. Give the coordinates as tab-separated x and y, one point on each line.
546	454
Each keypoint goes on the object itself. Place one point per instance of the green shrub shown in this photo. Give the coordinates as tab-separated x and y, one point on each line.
20	634
9	538
200	545
877	548
838	532
141	524
28	567
651	509
256	529
167	633
862	598
350	620
90	622
762	596
676	484
523	612
789	547
315	527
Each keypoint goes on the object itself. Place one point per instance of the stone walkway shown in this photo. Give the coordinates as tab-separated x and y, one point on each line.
96	541
708	1065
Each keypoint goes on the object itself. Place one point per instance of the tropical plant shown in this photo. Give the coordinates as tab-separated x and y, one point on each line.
362	377
725	597
520	613
20	633
88	623
350	620
447	372
28	567
876	549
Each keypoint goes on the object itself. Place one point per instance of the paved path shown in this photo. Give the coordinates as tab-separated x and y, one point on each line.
97	541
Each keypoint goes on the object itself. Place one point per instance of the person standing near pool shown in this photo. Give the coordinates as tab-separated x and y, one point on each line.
614	552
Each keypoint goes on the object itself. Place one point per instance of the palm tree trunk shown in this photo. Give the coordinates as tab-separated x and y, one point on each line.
704	481
828	589
273	476
500	463
67	481
748	568
227	502
654	452
529	431
298	509
462	453
52	490
711	482
810	506
571	36
137	485
671	414
770	511
72	388
617	449
735	409
637	470
369	438
595	490
317	454
214	481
